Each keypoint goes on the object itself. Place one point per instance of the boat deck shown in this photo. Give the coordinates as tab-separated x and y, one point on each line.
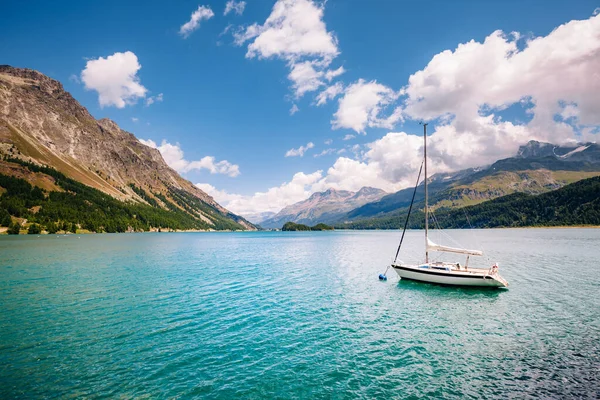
448	271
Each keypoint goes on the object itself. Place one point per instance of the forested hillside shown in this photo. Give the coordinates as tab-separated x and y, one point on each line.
71	205
574	204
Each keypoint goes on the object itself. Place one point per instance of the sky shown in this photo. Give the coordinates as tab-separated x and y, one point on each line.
261	103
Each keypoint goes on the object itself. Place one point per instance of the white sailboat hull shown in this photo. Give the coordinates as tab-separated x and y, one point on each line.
473	277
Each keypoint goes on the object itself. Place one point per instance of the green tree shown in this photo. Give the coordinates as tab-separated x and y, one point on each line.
34	229
291	226
5	219
321	227
52	228
14	229
73	227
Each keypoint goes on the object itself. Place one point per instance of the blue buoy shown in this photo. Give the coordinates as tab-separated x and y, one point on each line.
382	277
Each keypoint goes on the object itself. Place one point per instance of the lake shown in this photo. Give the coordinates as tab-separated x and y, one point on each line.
295	315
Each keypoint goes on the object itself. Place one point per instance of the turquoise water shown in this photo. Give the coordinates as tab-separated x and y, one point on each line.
294	315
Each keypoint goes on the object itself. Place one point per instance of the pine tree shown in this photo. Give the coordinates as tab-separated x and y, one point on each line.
52	228
34	229
5	219
14	229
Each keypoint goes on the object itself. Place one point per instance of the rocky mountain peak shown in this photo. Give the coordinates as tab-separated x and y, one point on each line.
368	191
109	125
535	149
34	78
47	125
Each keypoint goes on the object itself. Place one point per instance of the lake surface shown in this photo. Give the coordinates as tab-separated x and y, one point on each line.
295	315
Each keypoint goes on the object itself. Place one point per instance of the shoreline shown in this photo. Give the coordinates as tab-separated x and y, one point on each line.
3	230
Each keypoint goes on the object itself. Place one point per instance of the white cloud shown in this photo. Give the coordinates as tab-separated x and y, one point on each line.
154	99
274	199
349	137
115	79
174	157
328	141
300	150
235	6
329	75
462	91
330	93
295	32
294	109
362	104
134	119
305	77
201	14
242	35
74	78
467	87
596	11
294	29
569	111
325	152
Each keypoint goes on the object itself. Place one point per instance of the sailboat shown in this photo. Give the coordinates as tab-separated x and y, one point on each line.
446	273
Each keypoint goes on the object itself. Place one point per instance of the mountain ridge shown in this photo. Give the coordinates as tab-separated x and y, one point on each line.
322	207
537	167
42	123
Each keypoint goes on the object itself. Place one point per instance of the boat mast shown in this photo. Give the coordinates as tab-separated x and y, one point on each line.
426	211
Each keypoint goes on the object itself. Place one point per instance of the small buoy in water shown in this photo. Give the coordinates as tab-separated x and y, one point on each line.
382	277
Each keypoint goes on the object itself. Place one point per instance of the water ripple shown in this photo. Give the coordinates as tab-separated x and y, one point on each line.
294	315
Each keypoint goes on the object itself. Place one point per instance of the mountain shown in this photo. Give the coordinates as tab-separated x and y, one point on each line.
536	168
323	207
574	204
258	217
43	125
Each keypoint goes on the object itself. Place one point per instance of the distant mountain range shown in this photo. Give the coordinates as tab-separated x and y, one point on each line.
323	207
258	217
574	204
42	125
536	168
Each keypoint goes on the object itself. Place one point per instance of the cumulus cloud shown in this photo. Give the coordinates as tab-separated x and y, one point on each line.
154	99
294	29
469	86
295	32
294	109
349	137
174	157
134	119
115	79
361	107
274	199
203	13
300	150
304	77
463	92
235	6
330	93
328	141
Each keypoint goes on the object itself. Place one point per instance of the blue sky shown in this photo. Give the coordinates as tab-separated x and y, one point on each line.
220	101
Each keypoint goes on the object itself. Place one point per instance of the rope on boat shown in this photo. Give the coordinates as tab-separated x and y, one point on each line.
409	211
383	277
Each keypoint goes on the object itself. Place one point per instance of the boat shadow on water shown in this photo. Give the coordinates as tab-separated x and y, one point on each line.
439	289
